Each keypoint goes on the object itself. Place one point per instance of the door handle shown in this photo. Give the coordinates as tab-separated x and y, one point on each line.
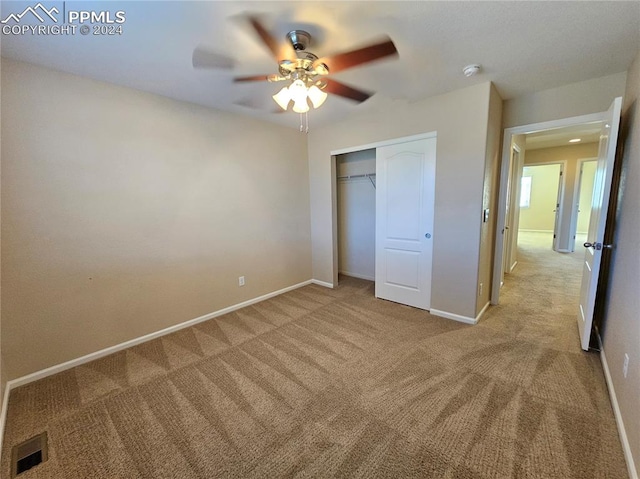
597	246
427	235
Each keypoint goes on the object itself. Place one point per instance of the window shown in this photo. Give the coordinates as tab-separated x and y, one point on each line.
525	192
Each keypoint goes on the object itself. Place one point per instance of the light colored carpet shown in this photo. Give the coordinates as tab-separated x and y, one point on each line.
334	383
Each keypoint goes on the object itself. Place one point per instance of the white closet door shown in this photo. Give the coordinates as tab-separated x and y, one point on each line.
404	221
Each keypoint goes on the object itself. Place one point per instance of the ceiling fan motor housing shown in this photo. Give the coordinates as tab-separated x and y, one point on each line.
299	39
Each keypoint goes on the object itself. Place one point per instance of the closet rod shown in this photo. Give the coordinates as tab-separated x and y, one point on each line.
349	177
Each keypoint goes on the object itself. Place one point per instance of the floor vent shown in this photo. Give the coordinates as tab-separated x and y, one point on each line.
29	454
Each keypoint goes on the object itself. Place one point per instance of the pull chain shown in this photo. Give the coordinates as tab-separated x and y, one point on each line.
306	122
301	125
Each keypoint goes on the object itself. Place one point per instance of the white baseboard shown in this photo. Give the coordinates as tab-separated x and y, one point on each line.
356	275
626	447
513	266
321	283
3	412
482	311
455	317
564	251
460	318
29	378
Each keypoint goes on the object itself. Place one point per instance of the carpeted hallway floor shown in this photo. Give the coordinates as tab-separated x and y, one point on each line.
334	383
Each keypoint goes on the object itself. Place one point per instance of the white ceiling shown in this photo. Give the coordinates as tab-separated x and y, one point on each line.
524	46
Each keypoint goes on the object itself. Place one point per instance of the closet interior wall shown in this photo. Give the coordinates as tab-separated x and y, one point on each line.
357	213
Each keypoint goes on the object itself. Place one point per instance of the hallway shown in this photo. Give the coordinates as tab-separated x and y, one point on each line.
538	308
539	300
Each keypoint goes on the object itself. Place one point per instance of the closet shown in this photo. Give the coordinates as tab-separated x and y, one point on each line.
385	215
356	213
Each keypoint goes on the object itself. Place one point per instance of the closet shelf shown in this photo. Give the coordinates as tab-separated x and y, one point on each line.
351	177
365	175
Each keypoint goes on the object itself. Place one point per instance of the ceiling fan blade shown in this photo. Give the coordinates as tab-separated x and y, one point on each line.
346	91
204	57
353	58
251	78
274	77
279	50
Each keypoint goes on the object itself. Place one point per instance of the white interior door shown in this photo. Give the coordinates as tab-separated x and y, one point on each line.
508	216
597	221
404	221
558	209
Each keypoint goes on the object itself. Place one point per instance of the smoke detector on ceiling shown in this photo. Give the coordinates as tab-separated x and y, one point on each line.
471	70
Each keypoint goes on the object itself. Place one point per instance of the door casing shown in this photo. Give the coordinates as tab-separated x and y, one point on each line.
509	133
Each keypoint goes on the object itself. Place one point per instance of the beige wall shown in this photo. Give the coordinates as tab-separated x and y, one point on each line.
124	213
571	154
490	198
460	120
540	216
582	98
622	317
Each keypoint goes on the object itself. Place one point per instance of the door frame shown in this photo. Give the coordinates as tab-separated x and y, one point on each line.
504	173
513	196
559	198
334	183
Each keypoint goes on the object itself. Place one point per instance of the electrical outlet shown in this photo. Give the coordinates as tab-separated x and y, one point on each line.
241	281
480	289
625	365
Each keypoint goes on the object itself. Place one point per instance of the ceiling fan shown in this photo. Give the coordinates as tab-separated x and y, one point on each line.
305	74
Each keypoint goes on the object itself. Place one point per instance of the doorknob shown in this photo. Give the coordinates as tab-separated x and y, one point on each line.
427	235
597	246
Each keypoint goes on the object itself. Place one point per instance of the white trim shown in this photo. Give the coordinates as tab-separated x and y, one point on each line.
626	447
321	283
564	251
455	317
3	412
378	144
550	125
502	192
513	266
356	275
460	318
482	311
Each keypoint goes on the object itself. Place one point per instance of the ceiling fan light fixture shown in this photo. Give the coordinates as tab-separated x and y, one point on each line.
317	96
298	91
301	106
282	98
